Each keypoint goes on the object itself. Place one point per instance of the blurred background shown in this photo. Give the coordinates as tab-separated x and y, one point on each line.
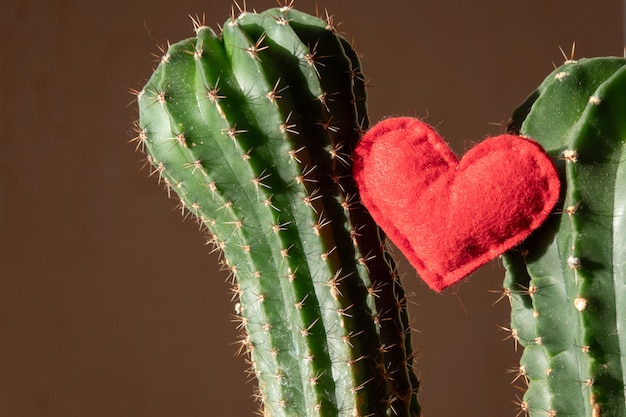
110	303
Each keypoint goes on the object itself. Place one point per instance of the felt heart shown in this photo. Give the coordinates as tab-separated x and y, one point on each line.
447	216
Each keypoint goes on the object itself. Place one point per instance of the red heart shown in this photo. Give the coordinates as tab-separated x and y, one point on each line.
447	216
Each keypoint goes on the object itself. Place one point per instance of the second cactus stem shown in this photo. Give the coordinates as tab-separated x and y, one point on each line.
253	129
567	283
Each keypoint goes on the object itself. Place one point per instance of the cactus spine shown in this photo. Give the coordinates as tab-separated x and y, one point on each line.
567	283
253	130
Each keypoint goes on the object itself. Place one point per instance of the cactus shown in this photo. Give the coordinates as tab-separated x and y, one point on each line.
567	282
253	130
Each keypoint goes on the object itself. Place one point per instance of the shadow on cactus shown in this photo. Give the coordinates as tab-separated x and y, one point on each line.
254	129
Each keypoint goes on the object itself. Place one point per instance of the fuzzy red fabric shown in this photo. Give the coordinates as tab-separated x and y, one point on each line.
447	216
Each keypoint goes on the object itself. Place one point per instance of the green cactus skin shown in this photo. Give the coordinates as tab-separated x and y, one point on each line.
567	282
253	130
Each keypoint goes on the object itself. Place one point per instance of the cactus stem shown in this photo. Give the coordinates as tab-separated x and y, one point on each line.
244	189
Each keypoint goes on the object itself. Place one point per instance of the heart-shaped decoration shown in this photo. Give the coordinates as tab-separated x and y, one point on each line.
447	216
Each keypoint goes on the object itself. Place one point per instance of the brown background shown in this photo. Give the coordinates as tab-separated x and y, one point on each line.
109	302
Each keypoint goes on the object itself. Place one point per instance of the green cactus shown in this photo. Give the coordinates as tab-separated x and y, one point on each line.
253	130
567	283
